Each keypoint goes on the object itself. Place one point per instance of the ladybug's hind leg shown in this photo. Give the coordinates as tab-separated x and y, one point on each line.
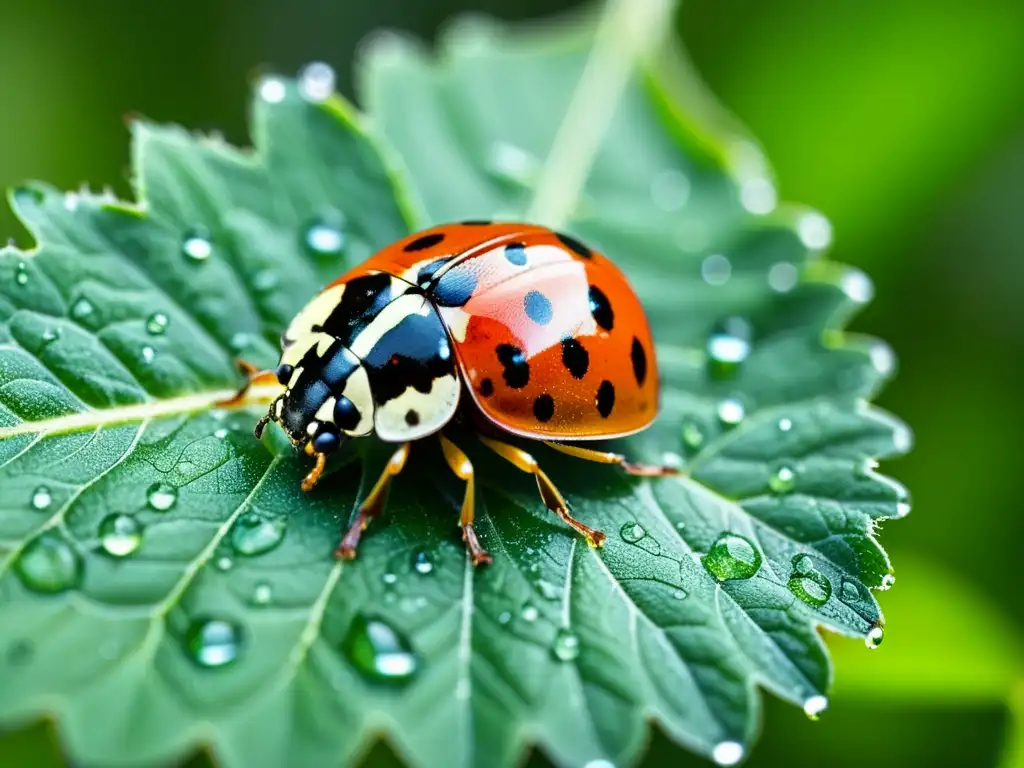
253	377
372	504
549	494
605	457
461	466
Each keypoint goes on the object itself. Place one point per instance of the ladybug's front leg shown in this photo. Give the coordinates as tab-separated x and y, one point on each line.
372	504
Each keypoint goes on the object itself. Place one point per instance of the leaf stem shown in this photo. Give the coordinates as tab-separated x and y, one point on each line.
626	30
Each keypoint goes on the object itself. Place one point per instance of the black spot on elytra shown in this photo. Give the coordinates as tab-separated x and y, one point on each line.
516	370
601	309
575	245
639	358
605	399
575	358
538	307
455	287
412	418
426	273
516	254
361	300
408	355
346	415
544	407
424	242
486	388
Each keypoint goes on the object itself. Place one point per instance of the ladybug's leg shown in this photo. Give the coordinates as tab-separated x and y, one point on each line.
372	504
253	376
604	457
552	499
461	466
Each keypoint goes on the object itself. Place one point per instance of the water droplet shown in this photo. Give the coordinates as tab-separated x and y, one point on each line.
732	557
670	190
213	642
41	498
51	334
220	433
48	564
716	269
504	617
882	358
815	231
197	245
728	346
548	590
672	460
161	496
265	280
239	341
223	563
814	706
379	652
803	564
254	535
262	594
887	581
157	323
120	535
902	439
81	309
758	195
811	586
679	594
530	613
731	411
71	199
316	81
850	592
272	90
632	532
782	480
389	578
783	276
785	425
874	637
566	646
422	564
324	238
21	273
857	286
599	764
148	355
727	752
512	163
693	437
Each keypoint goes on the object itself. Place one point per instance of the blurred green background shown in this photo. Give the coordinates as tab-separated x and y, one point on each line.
901	120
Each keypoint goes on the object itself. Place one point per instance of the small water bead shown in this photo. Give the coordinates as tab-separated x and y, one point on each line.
513	163
670	190
632	532
49	565
857	286
422	564
530	613
254	535
324	238
161	496
731	411
262	594
220	433
679	594
81	309
71	199
727	752
883	360
599	764
803	564
716	269
504	617
850	592
671	460
782	480
41	498
51	335
213	642
732	557
815	231
316	81
223	563
239	341
902	438
693	437
758	196
887	582
197	245
265	280
157	323
902	508
874	637
812	587
379	652
272	90
728	346
389	578
783	277
785	425
566	646
120	535
814	706
148	355
21	274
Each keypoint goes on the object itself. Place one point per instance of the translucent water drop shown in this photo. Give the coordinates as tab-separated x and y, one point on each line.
693	437
728	346
161	496
120	535
253	535
379	652
548	590
632	532
758	196
672	460
389	578
71	199
504	617
815	231
512	163
272	90
530	613
857	286
679	594
197	245
262	594
48	564
670	190
887	582
220	433
599	764
850	592
785	425
716	269
316	81
727	752
882	358
874	637
81	309
566	646
902	439
814	706
732	557
21	273
157	323
148	355
265	280
239	341
803	564
422	564
782	480
213	642
731	411
811	586
325	238
41	498
783	276
51	334
223	563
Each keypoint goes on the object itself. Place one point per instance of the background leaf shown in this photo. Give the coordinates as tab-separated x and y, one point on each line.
203	621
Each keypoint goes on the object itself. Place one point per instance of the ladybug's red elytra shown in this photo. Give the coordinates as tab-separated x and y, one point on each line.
530	331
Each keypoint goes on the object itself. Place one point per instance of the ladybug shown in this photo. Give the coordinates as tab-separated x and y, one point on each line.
526	331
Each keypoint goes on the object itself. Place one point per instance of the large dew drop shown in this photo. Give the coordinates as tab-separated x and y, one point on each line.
812	587
732	557
161	496
157	323
728	346
120	535
254	535
874	637
196	244
42	498
324	238
632	532
566	646
727	752
48	564
782	480
379	652
213	642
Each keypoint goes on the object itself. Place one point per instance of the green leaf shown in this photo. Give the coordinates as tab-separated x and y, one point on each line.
164	582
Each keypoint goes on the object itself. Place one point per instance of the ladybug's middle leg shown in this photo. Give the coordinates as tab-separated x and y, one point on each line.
372	504
461	466
549	494
606	457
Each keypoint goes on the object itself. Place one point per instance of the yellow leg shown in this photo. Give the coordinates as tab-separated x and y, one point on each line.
372	504
604	457
552	499
461	466
253	376
310	480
